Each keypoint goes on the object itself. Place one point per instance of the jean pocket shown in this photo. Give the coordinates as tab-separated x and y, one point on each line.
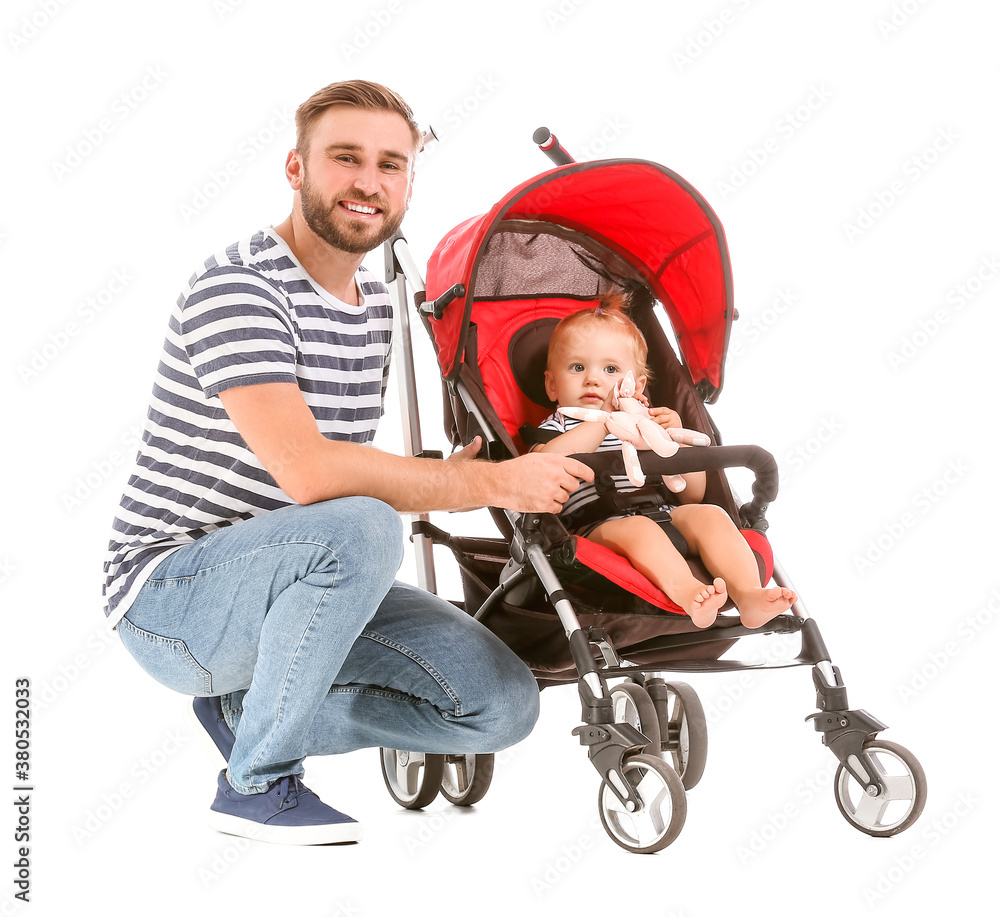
167	659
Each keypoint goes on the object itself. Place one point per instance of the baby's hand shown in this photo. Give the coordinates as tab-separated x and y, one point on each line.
666	417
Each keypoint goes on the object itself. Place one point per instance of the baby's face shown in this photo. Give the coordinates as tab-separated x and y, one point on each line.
586	364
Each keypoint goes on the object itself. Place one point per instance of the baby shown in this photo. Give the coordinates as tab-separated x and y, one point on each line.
589	352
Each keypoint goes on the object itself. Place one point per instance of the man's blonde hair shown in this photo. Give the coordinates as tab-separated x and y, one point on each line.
358	94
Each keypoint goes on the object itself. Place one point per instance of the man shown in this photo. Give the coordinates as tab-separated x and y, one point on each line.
253	557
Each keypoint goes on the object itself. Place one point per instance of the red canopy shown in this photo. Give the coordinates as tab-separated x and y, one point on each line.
639	211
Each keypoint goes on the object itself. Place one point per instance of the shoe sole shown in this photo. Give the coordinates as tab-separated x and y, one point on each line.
203	738
303	836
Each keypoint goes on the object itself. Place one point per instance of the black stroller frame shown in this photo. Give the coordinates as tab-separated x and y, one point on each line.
646	736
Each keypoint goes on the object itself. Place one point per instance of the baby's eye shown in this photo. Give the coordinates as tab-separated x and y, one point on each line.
577	368
611	369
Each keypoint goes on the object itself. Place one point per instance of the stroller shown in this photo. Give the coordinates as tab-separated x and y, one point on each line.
573	611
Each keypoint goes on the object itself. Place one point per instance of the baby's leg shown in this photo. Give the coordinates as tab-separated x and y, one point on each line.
652	553
711	534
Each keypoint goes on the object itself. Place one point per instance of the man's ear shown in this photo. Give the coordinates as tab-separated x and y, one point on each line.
294	169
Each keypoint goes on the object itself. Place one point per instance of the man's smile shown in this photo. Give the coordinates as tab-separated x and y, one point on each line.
355	207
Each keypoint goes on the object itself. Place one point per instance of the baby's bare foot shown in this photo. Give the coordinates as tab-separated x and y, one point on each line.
758	606
703	607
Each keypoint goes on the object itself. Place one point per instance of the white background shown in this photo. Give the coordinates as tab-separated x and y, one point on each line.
850	151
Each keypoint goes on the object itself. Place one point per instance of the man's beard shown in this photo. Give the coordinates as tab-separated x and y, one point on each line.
355	238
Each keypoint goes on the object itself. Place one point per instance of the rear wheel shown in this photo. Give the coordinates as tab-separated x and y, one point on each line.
683	729
412	778
466	778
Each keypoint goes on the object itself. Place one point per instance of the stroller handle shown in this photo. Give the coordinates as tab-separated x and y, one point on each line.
549	144
704	458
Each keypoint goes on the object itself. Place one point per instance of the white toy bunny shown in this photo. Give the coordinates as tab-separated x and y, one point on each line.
632	424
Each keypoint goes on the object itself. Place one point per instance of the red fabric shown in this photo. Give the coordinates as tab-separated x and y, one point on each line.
496	327
762	548
618	570
639	210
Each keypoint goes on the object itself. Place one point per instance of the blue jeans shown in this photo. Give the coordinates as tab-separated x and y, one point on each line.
295	620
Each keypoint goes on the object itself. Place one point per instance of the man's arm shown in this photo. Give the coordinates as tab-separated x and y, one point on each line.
276	423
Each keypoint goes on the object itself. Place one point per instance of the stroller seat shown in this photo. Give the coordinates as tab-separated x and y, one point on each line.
503	400
508	346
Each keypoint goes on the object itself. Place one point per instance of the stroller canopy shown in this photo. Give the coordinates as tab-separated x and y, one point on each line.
580	229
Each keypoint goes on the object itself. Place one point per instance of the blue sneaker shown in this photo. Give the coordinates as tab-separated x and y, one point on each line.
288	813
210	728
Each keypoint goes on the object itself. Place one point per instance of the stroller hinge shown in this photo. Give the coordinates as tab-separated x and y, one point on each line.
845	733
831	693
608	745
594	698
597	637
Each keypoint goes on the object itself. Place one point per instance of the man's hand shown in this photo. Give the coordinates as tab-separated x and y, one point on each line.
538	482
467	452
533	483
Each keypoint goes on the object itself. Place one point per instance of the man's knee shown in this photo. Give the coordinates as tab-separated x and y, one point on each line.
379	524
366	526
523	705
514	707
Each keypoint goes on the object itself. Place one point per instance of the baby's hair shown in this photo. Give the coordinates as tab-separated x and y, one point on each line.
611	313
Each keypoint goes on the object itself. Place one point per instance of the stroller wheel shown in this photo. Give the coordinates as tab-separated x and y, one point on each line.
895	809
412	778
683	728
664	806
466	778
633	705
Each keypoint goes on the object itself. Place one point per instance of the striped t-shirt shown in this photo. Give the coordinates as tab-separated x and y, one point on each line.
250	315
586	493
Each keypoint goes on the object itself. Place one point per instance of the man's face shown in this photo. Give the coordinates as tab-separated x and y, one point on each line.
355	180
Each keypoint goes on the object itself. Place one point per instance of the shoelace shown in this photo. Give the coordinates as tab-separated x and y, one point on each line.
293	788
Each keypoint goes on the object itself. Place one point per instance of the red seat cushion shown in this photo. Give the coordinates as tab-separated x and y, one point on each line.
618	570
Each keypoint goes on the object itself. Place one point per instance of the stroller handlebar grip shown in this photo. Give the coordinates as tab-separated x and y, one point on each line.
703	458
549	144
437	306
427	137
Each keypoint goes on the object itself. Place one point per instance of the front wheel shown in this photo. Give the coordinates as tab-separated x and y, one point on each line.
894	809
659	819
633	705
